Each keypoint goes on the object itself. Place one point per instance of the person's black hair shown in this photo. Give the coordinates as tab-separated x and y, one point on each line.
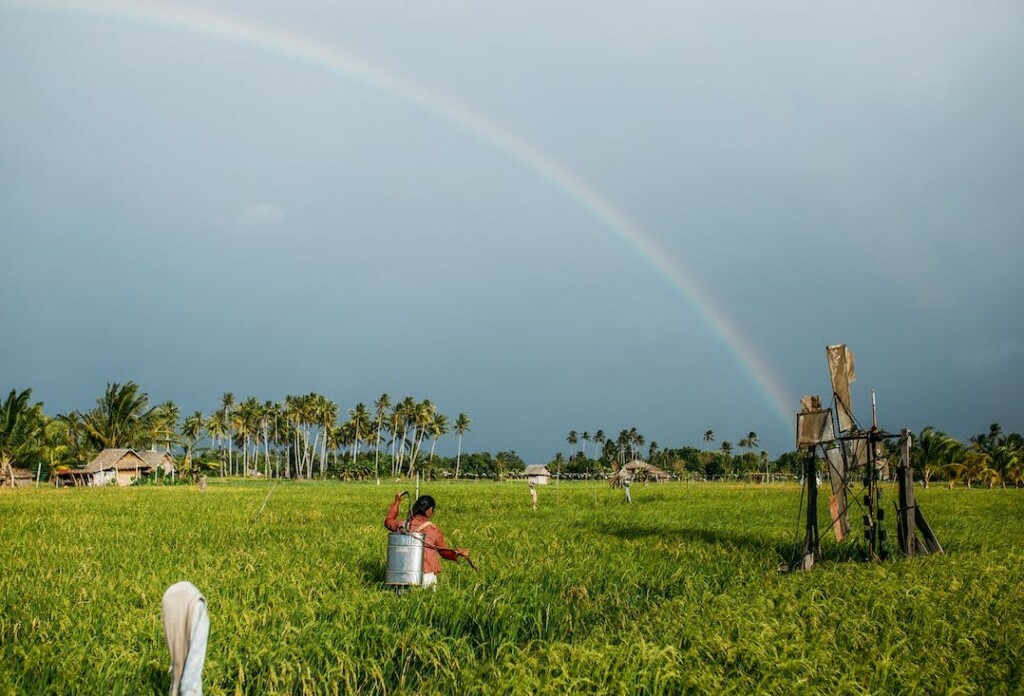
422	504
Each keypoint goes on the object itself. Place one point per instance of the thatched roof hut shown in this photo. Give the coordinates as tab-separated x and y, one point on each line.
637	470
22	477
115	464
83	476
160	461
538	475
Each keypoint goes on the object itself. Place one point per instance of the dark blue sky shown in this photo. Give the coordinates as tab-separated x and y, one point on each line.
357	198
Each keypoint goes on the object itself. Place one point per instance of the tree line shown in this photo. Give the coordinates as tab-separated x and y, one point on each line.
307	436
990	459
301	437
609	454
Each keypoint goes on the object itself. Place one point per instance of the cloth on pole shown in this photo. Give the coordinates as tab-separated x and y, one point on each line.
187	629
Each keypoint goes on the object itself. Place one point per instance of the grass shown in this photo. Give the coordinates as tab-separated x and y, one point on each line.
676	593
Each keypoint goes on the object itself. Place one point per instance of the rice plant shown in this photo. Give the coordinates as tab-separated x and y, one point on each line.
678	592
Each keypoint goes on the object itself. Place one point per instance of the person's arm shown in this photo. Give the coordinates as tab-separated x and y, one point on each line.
439	542
391	522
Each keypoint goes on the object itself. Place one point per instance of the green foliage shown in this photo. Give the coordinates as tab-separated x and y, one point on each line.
675	593
22	429
123	418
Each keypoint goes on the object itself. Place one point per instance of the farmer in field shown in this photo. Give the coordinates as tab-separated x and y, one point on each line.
533	496
434	545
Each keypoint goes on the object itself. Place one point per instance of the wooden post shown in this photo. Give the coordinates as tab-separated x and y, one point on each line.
930	542
873	519
911	519
812	547
904	511
907	527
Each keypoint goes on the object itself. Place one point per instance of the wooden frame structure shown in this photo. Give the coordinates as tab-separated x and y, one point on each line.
850	451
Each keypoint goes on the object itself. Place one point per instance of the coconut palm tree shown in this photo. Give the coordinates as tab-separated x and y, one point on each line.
326	418
266	420
165	423
1012	460
192	433
22	425
652	450
294	418
422	418
360	419
227	403
302	412
75	434
405	416
122	418
599	440
461	428
572	439
395	423
340	438
217	428
284	440
994	438
381	406
609	453
246	422
438	428
933	450
59	444
622	444
977	466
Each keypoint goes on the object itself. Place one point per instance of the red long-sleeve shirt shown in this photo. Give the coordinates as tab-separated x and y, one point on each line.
433	539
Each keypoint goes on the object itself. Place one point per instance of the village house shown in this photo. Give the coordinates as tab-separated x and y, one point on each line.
21	478
637	470
538	475
122	466
162	462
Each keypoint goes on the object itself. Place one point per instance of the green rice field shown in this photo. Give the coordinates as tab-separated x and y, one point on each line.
677	593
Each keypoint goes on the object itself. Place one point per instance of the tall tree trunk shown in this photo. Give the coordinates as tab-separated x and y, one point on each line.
376	456
458	458
417	442
401	451
266	451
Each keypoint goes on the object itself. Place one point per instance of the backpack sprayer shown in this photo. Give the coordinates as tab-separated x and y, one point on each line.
405	554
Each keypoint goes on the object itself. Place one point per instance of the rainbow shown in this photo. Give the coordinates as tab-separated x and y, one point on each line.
327	57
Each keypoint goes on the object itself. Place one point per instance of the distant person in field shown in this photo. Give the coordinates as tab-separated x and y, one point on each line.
533	496
187	629
434	545
625	486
